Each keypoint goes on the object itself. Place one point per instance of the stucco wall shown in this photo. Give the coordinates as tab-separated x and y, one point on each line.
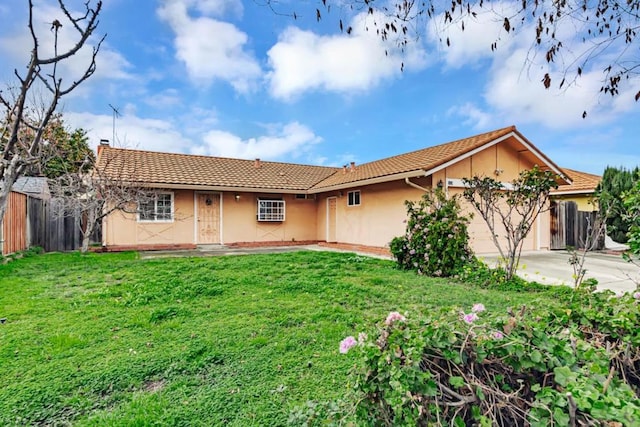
240	223
381	215
124	229
504	163
379	218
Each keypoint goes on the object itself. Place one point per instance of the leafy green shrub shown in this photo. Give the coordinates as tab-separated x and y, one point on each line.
610	193
631	204
436	242
577	363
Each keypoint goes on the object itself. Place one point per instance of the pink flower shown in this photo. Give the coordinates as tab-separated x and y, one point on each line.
470	318
392	317
497	335
636	295
478	308
347	343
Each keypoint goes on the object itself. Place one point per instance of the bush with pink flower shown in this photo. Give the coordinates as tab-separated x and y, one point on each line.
575	362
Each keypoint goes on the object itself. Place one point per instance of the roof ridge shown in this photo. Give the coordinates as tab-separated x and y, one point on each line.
508	128
204	156
376	164
580	172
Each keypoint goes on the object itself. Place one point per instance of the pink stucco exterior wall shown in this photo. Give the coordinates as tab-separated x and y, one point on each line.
237	222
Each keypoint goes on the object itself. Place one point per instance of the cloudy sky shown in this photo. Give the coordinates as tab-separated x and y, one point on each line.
232	78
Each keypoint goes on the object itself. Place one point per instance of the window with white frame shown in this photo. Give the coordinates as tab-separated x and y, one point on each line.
353	198
158	207
271	210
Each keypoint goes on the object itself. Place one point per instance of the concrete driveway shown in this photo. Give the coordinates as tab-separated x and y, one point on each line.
552	268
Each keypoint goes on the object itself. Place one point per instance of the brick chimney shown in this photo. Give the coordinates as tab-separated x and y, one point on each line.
353	167
344	169
257	164
103	143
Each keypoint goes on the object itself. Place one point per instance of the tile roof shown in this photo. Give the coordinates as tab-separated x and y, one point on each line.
582	182
424	159
191	170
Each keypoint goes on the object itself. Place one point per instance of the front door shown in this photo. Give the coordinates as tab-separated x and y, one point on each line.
208	217
331	219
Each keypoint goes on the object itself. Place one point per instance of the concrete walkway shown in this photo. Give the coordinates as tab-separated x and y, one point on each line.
553	268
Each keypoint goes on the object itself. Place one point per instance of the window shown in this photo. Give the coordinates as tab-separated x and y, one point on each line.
157	208
270	210
353	198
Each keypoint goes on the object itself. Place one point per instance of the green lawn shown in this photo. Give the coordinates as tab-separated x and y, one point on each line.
109	339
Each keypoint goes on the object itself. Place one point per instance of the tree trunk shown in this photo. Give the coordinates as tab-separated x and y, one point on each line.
88	230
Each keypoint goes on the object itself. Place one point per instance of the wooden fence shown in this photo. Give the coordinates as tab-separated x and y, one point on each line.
571	227
55	230
14	227
35	222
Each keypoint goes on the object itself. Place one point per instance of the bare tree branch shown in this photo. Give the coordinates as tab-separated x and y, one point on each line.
108	187
22	134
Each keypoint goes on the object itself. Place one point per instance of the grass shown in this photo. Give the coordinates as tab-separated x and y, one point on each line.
109	339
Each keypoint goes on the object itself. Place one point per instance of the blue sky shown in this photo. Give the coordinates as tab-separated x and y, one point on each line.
231	78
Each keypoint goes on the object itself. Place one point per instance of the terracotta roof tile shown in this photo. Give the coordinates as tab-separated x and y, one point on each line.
191	170
582	182
426	158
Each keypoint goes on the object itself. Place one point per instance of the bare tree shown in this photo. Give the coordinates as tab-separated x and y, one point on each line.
510	211
108	187
24	126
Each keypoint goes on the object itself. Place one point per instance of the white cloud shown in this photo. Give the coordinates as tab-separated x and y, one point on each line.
290	140
469	46
168	98
218	7
209	48
514	90
474	116
302	61
131	131
110	64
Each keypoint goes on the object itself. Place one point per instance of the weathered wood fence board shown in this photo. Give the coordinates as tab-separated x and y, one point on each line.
53	229
571	227
558	233
30	221
14	226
